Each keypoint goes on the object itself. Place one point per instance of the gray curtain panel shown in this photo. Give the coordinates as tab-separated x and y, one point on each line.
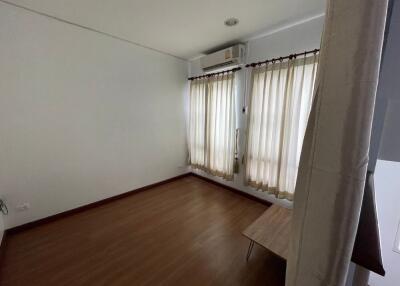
367	247
367	250
334	159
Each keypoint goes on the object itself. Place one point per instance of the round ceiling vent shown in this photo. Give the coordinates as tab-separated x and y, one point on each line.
231	22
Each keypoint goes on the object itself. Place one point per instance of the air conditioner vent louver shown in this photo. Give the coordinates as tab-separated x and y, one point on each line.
218	66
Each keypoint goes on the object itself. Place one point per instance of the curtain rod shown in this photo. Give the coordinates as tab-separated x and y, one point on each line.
213	74
282	58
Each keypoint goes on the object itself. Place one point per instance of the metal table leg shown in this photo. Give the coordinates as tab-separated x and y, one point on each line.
249	250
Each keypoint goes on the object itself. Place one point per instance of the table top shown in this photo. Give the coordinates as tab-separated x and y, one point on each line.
272	230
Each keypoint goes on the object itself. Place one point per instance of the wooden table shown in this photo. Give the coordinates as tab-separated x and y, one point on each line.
271	230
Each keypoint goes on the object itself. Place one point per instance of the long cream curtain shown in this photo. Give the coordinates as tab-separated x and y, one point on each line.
197	122
280	102
212	124
334	158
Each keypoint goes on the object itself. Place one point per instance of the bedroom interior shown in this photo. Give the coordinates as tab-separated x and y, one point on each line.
199	143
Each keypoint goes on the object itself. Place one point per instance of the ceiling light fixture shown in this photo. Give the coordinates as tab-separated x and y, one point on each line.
231	22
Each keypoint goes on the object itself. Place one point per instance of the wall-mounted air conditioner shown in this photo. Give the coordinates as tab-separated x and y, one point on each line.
231	56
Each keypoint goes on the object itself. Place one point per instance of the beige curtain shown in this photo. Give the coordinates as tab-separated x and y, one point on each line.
197	122
220	136
280	102
212	125
334	158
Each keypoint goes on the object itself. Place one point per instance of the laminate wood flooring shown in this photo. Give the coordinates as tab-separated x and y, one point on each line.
185	232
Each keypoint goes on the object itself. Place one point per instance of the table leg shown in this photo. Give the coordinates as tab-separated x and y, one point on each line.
249	250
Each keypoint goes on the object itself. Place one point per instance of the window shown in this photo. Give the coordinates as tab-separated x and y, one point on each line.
212	124
280	102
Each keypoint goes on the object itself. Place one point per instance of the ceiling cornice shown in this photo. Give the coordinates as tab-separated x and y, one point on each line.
283	27
115	37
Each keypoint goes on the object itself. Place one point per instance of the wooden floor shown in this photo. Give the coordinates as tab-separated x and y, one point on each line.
186	232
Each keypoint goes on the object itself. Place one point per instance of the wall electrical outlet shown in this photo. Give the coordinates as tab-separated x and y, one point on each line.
23	207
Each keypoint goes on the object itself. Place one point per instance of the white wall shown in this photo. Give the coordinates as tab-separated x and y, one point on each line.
1	220
305	36
83	116
1	230
387	185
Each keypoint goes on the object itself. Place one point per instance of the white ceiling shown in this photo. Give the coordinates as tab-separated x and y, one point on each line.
182	28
